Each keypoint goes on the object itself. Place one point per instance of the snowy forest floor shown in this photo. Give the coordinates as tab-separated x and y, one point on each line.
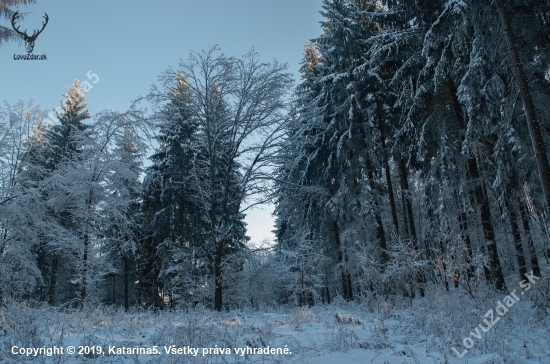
381	331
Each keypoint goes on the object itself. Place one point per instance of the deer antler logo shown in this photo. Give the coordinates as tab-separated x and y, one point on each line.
29	40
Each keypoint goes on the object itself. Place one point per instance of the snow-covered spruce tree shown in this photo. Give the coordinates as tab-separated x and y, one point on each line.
496	128
114	165
175	228
106	199
120	234
384	79
309	177
238	106
529	83
312	185
148	264
417	93
351	110
220	196
515	178
322	163
539	35
437	97
300	194
427	132
467	80
80	184
58	151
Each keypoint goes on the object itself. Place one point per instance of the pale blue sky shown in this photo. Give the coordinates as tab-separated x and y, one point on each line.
129	43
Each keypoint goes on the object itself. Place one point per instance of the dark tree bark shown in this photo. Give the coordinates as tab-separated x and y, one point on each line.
481	198
528	105
489	233
463	223
157	285
126	284
472	170
407	200
409	216
113	291
517	241
218	253
391	196
85	271
444	266
218	302
143	256
346	276
380	234
53	281
526	228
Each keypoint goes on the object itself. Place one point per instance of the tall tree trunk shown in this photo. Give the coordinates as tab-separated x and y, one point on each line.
406	195
143	256
113	291
218	302
85	269
218	254
181	215
444	266
544	219
358	121
53	281
463	224
407	200
380	234
517	240
406	225
528	105
489	234
157	284
4	239
525	220
86	249
327	295
391	197
478	196
126	284
346	276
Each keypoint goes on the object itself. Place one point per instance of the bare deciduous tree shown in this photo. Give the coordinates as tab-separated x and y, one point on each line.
240	106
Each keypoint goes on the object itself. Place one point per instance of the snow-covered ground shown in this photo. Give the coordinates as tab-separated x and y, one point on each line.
378	331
